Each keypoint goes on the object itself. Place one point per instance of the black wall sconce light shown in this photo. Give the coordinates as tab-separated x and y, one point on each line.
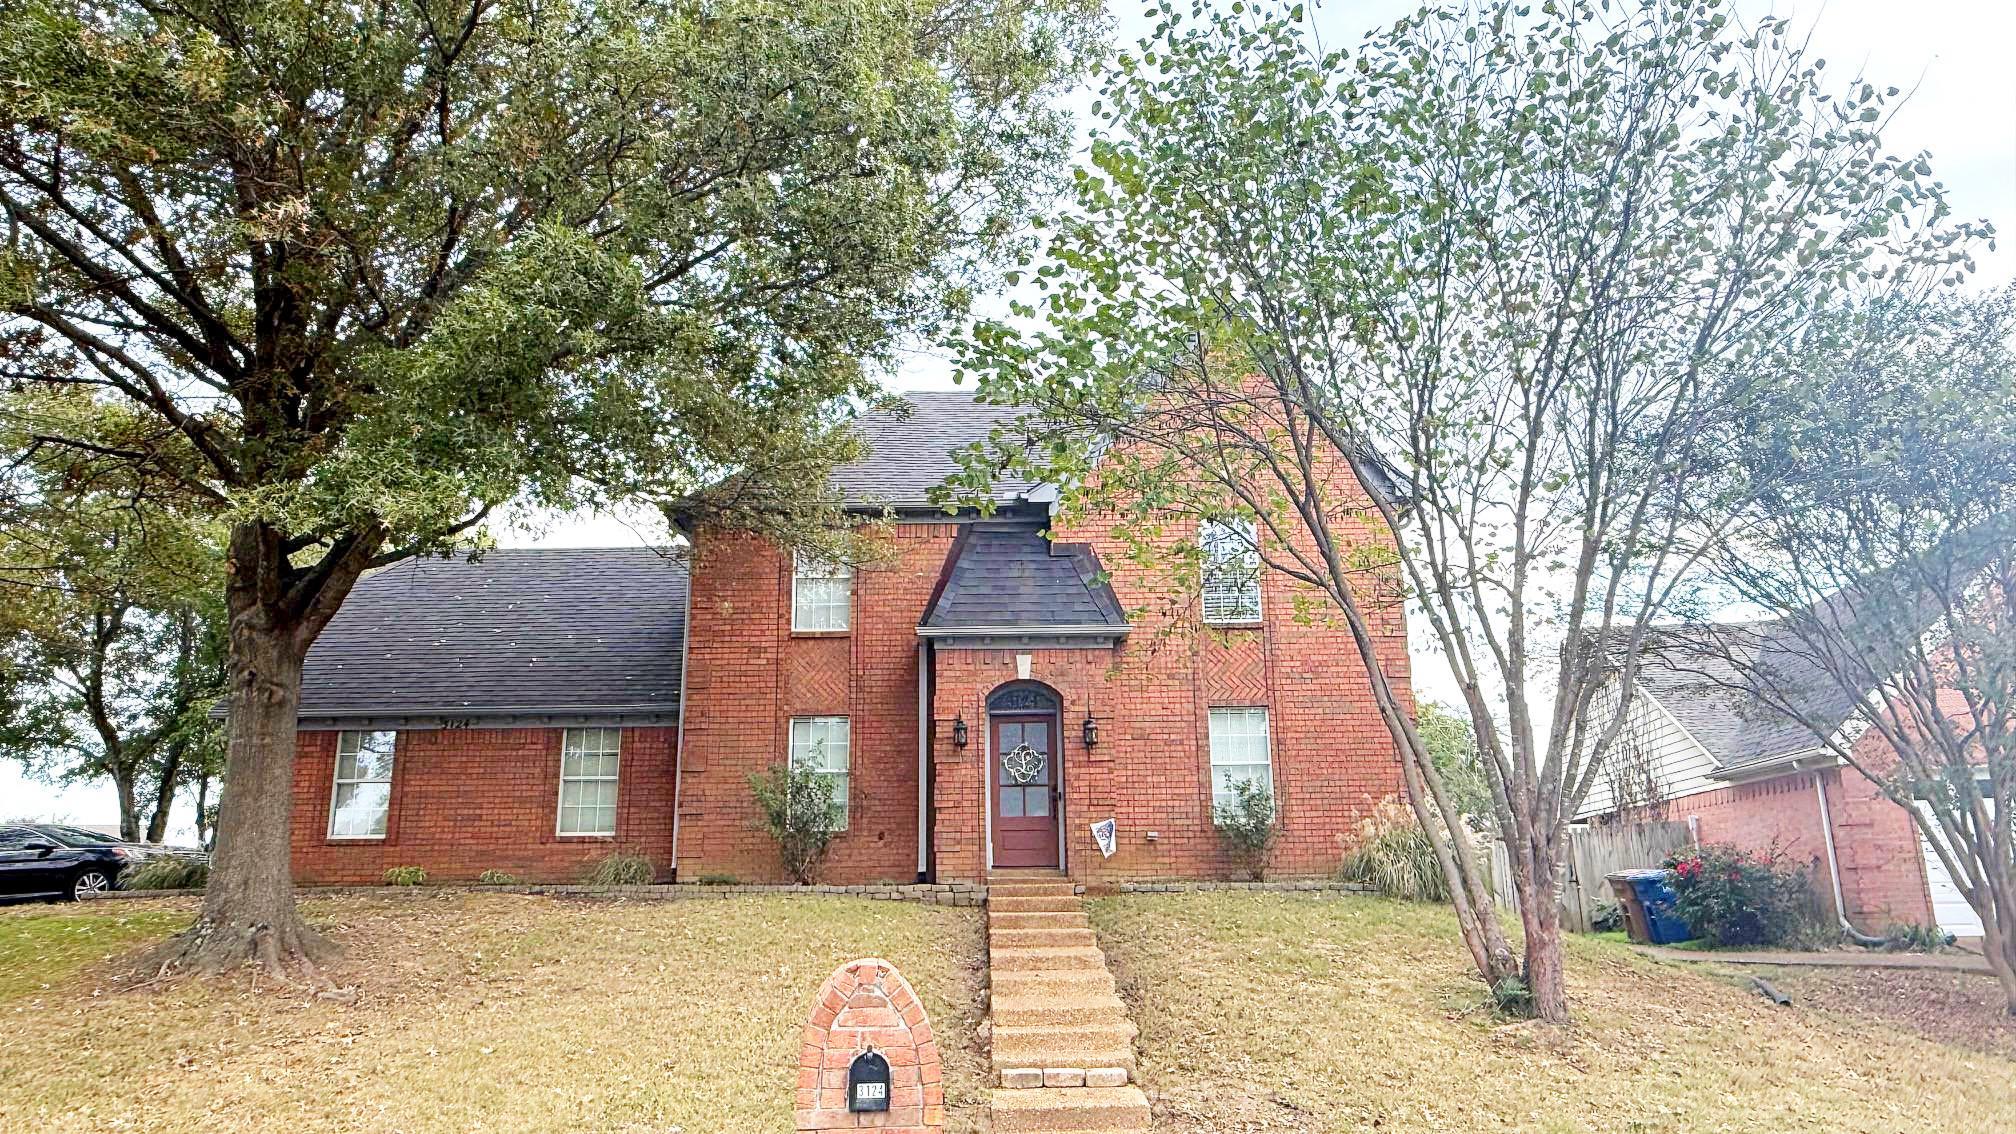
959	731
1091	731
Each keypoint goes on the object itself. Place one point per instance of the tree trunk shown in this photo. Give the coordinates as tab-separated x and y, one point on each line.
129	807
203	810
1546	977
164	801
249	912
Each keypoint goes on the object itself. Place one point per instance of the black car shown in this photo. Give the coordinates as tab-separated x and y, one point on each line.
34	863
71	836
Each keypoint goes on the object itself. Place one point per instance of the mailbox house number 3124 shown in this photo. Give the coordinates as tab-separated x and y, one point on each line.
868	1083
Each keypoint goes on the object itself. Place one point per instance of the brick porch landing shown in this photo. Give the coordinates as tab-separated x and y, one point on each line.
1063	1048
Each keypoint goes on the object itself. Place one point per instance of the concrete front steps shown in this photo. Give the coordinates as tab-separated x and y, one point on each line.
1063	1048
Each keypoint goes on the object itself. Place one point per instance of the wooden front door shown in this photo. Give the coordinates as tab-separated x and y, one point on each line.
1025	791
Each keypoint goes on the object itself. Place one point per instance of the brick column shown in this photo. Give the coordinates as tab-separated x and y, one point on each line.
865	1004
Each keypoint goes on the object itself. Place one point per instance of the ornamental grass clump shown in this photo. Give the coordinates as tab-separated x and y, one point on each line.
1734	898
1389	852
167	872
620	869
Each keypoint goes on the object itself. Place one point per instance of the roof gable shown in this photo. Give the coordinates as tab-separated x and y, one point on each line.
1009	578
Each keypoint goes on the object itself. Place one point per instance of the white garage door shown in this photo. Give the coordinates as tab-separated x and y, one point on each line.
1949	909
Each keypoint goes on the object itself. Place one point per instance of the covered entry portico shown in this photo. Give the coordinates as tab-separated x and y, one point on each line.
1019	644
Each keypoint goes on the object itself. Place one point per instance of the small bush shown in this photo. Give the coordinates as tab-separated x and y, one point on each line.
1392	854
1511	997
496	878
1247	826
799	813
167	872
621	869
405	876
1731	897
719	880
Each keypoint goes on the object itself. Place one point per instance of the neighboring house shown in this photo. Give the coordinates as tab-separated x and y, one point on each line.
981	695
1697	749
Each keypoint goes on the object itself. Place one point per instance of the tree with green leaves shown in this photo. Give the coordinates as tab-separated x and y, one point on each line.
363	276
111	633
1487	284
1880	552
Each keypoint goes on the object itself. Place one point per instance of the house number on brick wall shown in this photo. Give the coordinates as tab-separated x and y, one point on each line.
868	1082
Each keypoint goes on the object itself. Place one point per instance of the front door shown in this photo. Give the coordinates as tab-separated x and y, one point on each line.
1025	791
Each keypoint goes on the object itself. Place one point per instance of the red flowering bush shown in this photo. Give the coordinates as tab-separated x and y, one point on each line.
1735	897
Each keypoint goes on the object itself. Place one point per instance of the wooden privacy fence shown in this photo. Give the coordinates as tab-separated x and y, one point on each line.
1594	853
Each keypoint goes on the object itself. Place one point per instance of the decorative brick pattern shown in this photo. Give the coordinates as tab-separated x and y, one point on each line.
866	1004
469	800
748	674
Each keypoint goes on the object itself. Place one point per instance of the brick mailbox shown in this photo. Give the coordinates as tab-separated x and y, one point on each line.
868	1061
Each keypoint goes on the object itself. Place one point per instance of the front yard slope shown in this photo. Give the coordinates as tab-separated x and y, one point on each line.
485	1012
1283	1012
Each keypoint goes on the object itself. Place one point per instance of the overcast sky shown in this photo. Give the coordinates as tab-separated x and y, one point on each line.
1956	53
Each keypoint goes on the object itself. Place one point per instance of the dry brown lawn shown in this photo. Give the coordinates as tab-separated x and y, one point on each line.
1285	1012
474	1012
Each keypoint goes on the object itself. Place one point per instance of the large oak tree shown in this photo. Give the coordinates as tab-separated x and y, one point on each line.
370	270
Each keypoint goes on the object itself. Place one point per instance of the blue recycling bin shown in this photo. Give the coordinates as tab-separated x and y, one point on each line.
1662	924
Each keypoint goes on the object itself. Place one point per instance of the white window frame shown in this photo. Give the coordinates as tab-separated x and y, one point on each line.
801	742
609	734
339	782
1225	718
1230	544
811	569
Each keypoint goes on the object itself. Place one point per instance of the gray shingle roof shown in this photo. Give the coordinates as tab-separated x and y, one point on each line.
547	631
1698	681
910	450
1010	576
1714	679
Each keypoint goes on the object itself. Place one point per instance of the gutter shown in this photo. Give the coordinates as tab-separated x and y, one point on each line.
679	736
1834	867
1803	760
923	760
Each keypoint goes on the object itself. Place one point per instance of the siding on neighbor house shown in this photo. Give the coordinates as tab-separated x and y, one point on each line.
1679	764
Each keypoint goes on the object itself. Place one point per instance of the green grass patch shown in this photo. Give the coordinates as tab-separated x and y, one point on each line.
44	946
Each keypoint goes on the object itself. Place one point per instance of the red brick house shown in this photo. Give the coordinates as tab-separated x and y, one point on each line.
982	694
1699	750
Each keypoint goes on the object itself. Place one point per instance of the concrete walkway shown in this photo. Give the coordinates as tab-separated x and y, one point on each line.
1063	1048
1950	962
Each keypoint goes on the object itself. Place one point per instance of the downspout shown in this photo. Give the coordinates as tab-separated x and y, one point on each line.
1834	866
923	760
679	736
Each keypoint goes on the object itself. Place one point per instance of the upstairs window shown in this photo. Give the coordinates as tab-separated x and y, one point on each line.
590	759
822	594
1231	571
1239	752
363	798
821	744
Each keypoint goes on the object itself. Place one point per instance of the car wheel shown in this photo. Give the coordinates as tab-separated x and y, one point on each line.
89	884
